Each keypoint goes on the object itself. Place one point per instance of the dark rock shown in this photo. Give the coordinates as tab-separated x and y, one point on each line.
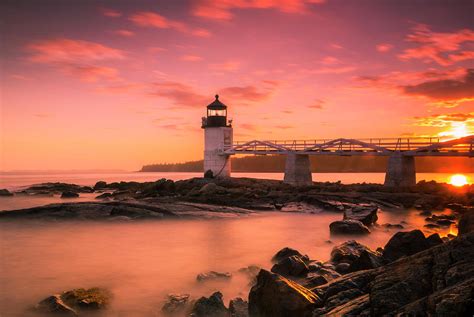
100	185
211	306
213	275
358	256
104	196
285	253
425	213
432	226
91	299
343	268
238	308
208	174
444	222
348	227
434	240
5	192
466	223
365	214
393	226
291	266
176	304
55	305
276	296
405	243
251	271
69	195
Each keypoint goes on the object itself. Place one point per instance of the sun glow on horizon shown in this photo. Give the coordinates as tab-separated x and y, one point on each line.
458	180
457	130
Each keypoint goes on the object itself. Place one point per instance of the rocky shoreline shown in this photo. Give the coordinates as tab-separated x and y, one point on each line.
412	275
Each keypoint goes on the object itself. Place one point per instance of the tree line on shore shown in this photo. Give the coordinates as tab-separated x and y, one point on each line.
324	164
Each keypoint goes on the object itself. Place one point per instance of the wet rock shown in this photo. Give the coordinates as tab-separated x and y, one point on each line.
393	226
348	227
356	255
466	223
5	192
100	185
251	271
445	222
276	296
212	189
211	306
55	305
69	195
434	240
432	226
365	214
238	308
285	253
406	243
425	213
72	302
90	299
104	196
291	266
343	268
213	275
56	188
176	304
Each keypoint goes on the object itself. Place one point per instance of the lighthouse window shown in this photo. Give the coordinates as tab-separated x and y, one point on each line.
212	113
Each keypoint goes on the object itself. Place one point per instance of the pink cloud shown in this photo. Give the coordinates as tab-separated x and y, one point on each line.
191	58
330	60
442	48
155	20
384	47
222	9
245	93
71	51
89	73
124	33
180	94
229	66
111	13
317	104
332	70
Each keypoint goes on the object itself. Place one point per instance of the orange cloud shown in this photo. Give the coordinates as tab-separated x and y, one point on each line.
245	93
180	94
155	20
442	48
318	104
445	120
71	51
222	9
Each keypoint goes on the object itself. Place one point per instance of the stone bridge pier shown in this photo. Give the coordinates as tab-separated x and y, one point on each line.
400	171
298	170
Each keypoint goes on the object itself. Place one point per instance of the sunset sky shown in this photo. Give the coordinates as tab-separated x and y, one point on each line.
90	84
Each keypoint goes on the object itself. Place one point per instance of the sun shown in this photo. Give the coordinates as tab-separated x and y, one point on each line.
457	130
458	180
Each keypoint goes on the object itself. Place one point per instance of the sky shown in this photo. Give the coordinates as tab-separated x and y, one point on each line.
91	84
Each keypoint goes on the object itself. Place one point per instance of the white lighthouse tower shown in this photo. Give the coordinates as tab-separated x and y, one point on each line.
218	135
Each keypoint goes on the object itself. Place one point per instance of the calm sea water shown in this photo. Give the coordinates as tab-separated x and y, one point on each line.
141	262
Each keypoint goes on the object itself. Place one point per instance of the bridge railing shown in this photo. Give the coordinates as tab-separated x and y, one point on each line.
352	145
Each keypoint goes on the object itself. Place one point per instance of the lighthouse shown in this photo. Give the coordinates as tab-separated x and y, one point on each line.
218	135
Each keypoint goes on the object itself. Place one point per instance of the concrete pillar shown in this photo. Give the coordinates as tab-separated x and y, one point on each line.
400	171
298	170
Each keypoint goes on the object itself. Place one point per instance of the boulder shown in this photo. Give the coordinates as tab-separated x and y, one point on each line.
5	192
466	223
211	306
211	189
55	305
100	185
90	299
285	253
365	214
291	266
213	275
104	196
348	226
407	243
276	296
356	255
176	304
72	302
68	194
238	308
